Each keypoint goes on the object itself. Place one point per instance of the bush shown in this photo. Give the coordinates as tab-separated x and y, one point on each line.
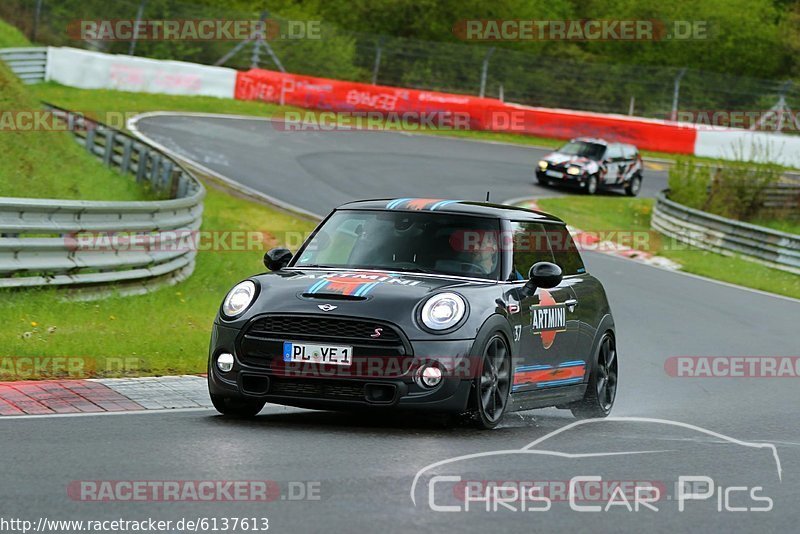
735	190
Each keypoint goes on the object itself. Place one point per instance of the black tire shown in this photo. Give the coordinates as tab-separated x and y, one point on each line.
541	180
591	185
634	186
601	391
237	407
490	394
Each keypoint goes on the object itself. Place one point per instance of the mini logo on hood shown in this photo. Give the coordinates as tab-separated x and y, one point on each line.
326	307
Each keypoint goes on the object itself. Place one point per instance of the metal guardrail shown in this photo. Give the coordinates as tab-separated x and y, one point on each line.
29	64
136	246
782	196
707	231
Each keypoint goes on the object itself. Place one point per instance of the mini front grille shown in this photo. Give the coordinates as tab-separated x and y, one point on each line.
321	328
262	343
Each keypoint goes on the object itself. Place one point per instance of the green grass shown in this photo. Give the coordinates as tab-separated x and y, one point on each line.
11	37
50	164
609	214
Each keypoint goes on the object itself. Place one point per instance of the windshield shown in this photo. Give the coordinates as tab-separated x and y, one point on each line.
584	149
406	241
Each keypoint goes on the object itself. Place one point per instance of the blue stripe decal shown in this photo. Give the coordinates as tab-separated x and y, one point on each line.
363	289
316	287
366	289
443	203
396	202
574	363
559	382
531	368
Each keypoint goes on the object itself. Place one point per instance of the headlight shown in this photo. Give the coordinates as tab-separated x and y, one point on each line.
443	311
239	298
574	171
543	164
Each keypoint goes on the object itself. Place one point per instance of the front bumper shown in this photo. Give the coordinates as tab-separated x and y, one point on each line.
384	386
564	178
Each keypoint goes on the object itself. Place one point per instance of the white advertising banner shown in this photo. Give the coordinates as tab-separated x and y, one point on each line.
734	144
95	70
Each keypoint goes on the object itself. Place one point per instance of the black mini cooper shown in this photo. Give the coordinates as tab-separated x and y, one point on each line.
449	306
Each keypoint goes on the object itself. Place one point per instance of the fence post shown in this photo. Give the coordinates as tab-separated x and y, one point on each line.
485	70
37	15
377	66
139	15
676	94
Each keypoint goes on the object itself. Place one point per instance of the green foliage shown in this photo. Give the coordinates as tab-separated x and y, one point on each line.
735	190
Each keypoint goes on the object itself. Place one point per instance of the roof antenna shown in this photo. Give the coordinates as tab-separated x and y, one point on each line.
487	196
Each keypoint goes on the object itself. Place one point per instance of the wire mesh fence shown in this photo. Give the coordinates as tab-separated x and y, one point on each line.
466	68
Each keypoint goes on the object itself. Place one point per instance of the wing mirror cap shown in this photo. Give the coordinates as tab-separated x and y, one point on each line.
277	258
543	274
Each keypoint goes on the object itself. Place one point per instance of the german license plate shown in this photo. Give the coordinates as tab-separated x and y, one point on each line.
310	353
555	174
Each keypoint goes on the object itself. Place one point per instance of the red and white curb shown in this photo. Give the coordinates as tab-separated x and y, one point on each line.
50	397
590	241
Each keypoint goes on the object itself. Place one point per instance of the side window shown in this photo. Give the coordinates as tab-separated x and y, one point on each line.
629	151
614	152
530	245
564	250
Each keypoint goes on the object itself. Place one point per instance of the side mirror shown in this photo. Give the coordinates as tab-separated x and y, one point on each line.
545	275
277	258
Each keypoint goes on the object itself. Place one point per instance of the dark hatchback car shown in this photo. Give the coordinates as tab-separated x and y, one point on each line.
593	164
454	307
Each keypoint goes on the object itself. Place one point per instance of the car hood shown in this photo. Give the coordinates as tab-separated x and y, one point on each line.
557	158
358	285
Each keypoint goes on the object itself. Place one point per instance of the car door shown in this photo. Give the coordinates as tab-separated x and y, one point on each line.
632	164
543	327
615	164
588	296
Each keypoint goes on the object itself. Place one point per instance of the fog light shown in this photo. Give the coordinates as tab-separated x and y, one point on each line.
225	362
430	376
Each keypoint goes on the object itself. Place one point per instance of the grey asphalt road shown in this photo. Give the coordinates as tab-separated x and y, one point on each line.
364	466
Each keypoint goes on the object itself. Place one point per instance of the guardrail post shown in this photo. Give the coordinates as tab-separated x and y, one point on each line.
89	145
141	165
126	155
109	135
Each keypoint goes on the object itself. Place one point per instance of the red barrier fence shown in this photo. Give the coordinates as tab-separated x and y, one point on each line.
483	113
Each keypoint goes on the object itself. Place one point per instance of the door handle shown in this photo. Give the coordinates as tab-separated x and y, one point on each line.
571	303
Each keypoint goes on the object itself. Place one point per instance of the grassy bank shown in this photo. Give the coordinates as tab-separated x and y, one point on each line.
50	164
609	214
